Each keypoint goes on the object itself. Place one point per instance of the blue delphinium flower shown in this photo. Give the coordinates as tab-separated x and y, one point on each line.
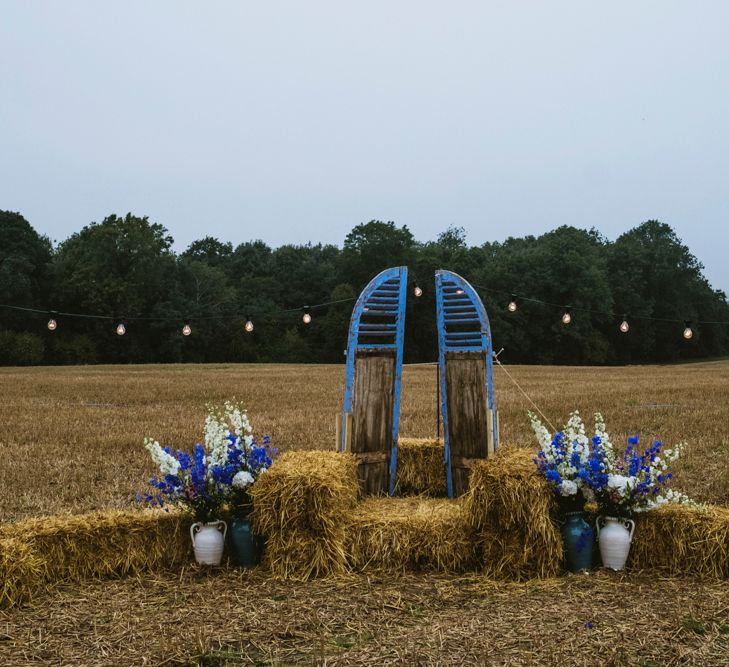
220	471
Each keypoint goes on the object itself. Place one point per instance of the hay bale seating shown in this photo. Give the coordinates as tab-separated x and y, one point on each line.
38	554
513	511
506	526
680	539
420	467
415	533
300	506
309	509
21	572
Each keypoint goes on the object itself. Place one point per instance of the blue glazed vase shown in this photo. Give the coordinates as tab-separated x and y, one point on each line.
246	545
577	536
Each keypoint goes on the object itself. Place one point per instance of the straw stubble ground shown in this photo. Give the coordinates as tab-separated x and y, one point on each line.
70	441
246	618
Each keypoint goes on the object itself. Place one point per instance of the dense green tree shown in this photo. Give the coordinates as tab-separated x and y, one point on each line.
24	281
211	251
654	275
24	262
125	268
373	246
565	266
335	323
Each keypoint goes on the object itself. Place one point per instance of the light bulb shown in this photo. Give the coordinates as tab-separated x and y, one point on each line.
52	324
566	318
459	291
688	333
306	318
512	305
249	326
624	326
417	291
120	329
186	330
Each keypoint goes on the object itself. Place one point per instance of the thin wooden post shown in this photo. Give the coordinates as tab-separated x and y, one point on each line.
348	433
437	402
338	431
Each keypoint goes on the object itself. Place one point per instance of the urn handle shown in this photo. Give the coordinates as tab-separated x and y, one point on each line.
225	529
194	529
631	528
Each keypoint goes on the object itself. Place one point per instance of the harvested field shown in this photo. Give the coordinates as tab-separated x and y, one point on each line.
71	438
245	618
71	442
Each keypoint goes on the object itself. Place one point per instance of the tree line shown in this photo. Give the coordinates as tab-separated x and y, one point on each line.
125	268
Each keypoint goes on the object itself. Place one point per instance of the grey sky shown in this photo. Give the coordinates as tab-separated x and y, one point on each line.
295	121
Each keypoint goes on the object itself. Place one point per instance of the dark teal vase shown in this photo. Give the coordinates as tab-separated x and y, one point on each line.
246	550
577	536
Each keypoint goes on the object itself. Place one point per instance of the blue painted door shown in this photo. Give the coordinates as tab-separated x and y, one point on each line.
375	346
470	424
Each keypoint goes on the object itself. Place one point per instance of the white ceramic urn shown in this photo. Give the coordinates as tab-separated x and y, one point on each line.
208	540
614	537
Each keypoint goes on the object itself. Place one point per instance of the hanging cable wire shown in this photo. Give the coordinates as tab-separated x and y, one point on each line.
170	318
592	310
529	398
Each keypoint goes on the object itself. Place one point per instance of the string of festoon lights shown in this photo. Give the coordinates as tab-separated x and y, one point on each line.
623	326
121	327
306	314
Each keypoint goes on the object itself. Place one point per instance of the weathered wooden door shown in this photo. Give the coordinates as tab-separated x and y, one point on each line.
470	424
374	373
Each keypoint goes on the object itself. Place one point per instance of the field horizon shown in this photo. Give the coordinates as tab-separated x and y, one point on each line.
74	434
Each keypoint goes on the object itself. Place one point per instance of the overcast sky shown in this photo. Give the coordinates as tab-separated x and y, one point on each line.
295	121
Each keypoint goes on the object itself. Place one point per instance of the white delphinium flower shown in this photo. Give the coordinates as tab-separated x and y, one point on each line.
605	443
216	439
544	438
575	430
668	497
238	418
242	479
167	464
671	455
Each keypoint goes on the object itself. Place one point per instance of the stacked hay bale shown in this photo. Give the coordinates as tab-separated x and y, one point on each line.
21	572
302	505
420	467
510	505
37	554
681	539
416	533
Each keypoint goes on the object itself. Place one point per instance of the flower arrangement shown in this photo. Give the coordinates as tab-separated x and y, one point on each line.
637	481
632	481
569	459
219	472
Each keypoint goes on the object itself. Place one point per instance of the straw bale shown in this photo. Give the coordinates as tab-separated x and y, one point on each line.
103	544
420	468
512	507
301	505
20	572
50	550
300	555
681	539
416	533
